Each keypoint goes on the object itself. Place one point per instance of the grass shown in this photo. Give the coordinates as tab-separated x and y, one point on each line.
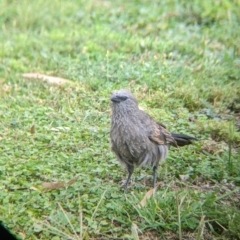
181	59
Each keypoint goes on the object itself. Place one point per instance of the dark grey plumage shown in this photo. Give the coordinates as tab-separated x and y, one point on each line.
136	139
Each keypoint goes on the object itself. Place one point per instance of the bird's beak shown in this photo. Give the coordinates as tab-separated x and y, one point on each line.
115	99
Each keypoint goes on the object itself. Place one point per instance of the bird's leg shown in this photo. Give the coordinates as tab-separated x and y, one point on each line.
130	169
154	176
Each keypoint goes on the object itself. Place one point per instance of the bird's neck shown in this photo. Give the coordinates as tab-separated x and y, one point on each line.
125	114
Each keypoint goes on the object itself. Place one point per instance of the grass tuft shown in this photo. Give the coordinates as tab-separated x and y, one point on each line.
181	60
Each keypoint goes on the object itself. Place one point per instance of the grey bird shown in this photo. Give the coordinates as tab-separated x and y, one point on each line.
138	140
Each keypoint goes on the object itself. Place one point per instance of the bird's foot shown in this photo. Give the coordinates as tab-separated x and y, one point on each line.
125	185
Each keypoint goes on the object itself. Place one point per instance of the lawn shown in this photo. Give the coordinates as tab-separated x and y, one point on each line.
59	179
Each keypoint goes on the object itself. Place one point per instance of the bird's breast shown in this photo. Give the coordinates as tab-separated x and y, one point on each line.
128	140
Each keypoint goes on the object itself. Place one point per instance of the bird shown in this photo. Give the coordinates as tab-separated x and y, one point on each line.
136	138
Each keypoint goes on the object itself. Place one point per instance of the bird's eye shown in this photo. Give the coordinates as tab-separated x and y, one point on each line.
118	99
122	98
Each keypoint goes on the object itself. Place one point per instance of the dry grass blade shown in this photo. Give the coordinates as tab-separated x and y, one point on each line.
53	185
60	129
69	222
70	182
46	78
57	185
179	206
32	129
147	196
93	215
57	231
135	231
201	228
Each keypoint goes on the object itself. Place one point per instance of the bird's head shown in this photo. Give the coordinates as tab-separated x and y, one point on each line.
123	97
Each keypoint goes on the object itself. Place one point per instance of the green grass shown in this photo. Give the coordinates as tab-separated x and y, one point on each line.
182	61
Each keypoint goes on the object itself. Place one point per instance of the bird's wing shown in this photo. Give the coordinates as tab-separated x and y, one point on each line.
161	136
162	125
157	132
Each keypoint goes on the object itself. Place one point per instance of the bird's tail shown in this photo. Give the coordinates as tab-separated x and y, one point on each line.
182	139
